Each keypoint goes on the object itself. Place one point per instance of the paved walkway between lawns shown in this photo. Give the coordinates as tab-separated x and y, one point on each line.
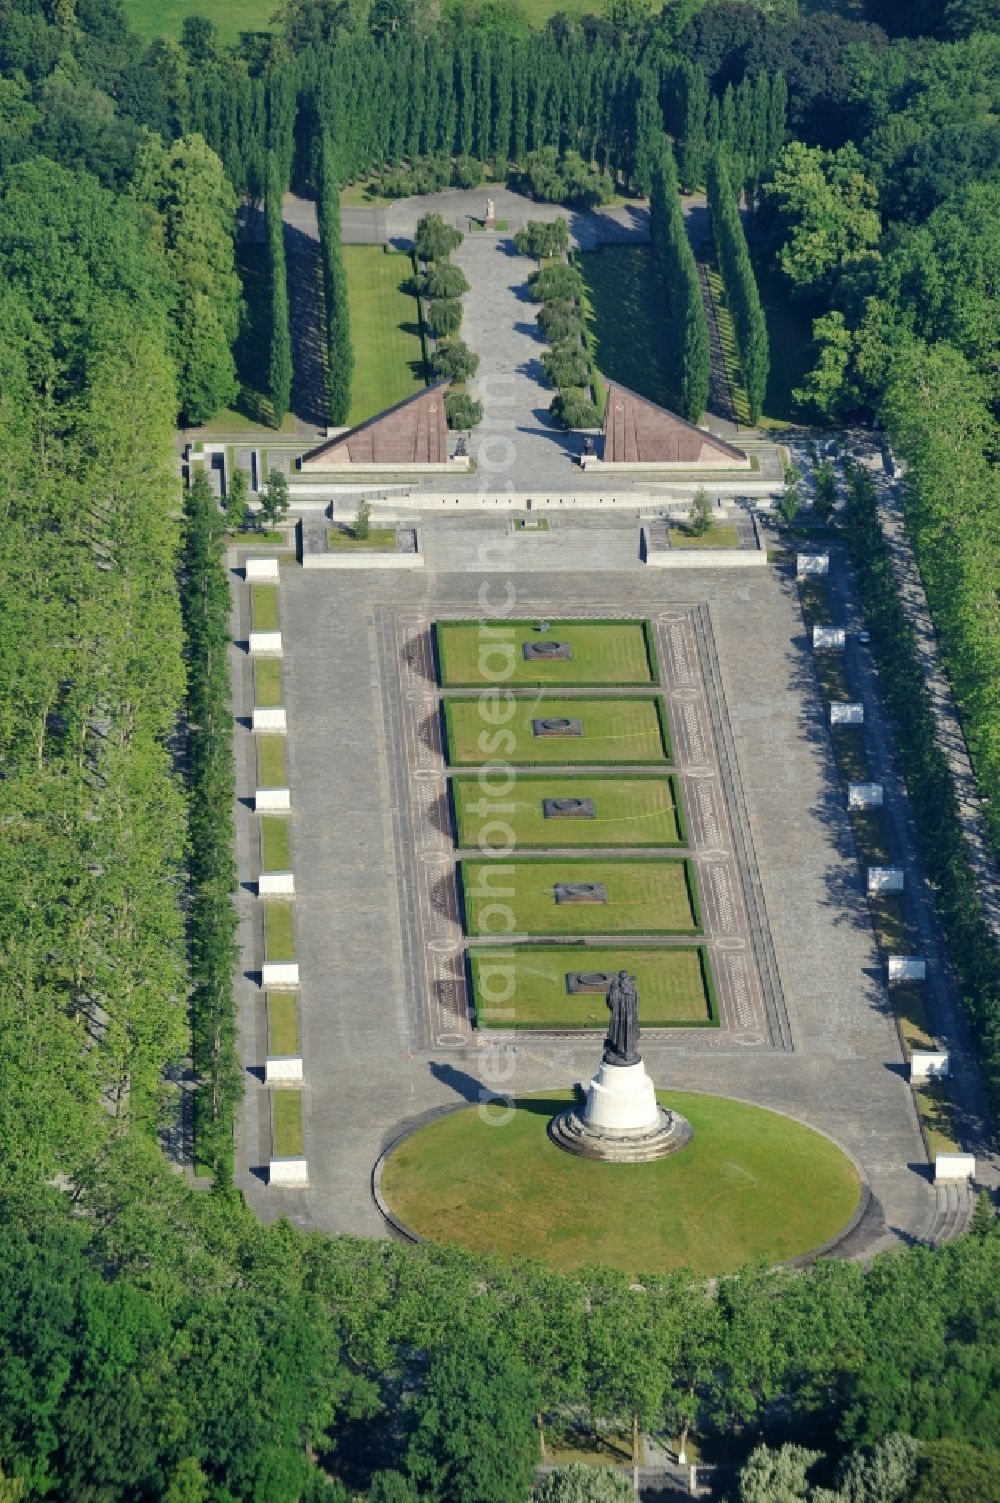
517	445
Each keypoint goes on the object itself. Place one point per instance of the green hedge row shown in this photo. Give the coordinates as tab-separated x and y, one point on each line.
340	351
279	368
928	779
204	591
686	323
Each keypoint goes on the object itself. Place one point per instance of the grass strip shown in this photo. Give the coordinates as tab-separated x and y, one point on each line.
275	844
279	937
271	762
616	732
638	811
378	537
286	1124
264	607
267	682
283	1023
602	653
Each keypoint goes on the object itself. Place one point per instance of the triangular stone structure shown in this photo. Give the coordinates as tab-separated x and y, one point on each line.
414	432
638	432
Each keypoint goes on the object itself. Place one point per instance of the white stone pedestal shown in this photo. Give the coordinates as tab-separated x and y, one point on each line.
620	1121
621	1099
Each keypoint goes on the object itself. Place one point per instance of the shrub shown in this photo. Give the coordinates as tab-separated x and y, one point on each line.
566	369
362	521
552	282
574	410
444	315
541	240
467	172
442	280
462	410
454	360
700	515
435	240
565	178
560	322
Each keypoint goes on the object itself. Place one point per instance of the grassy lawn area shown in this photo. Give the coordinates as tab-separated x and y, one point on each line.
831	673
635	811
267	682
615	731
164	18
257	539
871	837
531	524
719	535
727	340
789	332
674	986
279	940
645	895
849	749
271	762
282	1023
891	926
385	330
934	1108
275	843
471	653
909	1003
750	1184
815	600
623	309
378	537
264	607
286	1124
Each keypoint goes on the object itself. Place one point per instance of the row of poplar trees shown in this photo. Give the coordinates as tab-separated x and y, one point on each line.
340	352
740	284
686	324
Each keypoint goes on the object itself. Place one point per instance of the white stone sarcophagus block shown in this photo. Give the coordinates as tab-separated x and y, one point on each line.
954	1166
257	569
270	718
928	1064
276	885
265	644
885	879
827	638
283	1069
288	1172
846	712
278	974
272	800
811	563
906	968
865	795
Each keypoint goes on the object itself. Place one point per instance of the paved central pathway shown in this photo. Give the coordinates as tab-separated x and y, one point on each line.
517	441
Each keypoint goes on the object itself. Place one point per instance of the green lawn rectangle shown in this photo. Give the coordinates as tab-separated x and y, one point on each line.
264	607
275	844
279	938
267	682
628	811
271	762
286	1124
529	985
645	895
719	535
616	732
378	537
474	653
282	1023
385	330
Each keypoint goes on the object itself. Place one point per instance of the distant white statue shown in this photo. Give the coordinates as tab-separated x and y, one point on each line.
491	211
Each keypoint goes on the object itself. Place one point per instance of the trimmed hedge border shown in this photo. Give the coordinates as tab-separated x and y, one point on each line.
652	662
661	715
690	883
671	778
579	953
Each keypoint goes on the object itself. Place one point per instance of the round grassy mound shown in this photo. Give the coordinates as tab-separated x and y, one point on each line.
750	1184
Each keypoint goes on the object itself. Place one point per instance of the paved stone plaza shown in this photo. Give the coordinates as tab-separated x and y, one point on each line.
821	1044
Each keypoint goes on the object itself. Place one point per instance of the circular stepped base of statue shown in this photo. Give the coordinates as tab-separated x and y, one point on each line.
666	1135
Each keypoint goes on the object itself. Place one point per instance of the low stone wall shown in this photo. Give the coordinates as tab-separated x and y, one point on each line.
954	1166
886	879
811	563
847	712
362	560
829	638
265	644
279	974
906	968
283	1069
276	885
256	569
865	795
272	800
707	558
569	499
289	1172
270	718
928	1064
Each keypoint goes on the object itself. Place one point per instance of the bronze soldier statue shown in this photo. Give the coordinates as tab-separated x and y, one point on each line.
621	1046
